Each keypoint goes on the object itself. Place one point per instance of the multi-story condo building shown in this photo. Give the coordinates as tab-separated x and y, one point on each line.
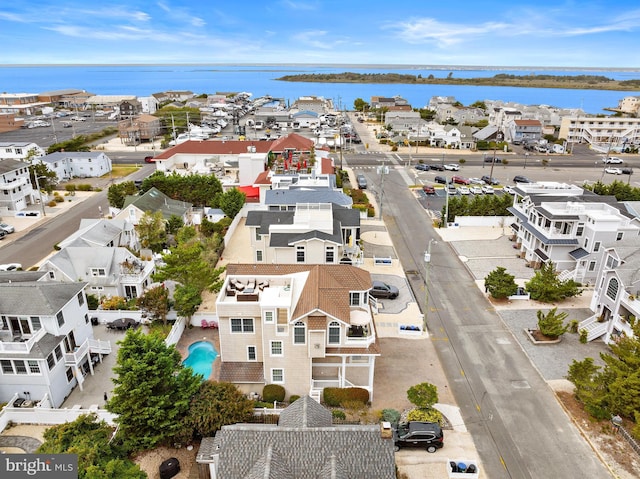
46	338
16	191
569	229
305	327
611	133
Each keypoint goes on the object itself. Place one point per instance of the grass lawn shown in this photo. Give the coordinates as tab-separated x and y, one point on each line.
120	171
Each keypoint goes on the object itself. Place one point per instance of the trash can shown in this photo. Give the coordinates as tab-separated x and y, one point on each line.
94	320
169	468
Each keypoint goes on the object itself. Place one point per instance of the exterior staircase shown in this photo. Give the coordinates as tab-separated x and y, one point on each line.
315	395
593	327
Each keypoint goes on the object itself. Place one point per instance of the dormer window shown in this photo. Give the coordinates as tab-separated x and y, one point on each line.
98	272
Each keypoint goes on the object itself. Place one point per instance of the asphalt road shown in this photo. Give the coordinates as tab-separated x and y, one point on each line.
518	427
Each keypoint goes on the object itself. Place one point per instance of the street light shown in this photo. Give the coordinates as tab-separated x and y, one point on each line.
427	264
40	193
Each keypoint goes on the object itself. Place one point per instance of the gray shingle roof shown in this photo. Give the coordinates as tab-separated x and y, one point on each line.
295	450
304	195
155	200
38	298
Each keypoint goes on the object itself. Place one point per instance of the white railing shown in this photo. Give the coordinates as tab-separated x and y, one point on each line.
49	416
92	345
176	332
99	346
594	328
22	347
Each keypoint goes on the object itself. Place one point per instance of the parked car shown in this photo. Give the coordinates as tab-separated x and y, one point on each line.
509	189
148	159
422	167
612	160
460	180
488	190
491	159
476	190
452	167
362	182
429	190
440	179
488	180
451	189
3	233
627	171
463	190
10	267
613	171
427	435
437	167
382	290
7	228
476	181
521	179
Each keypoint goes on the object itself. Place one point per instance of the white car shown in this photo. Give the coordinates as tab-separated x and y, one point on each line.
463	190
476	190
10	267
7	228
612	160
613	171
476	181
509	189
488	190
452	167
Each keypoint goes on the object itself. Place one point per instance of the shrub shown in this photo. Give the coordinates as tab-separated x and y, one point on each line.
573	325
70	188
423	395
273	392
84	187
583	336
51	203
58	199
338	397
293	398
338	414
390	415
552	324
425	414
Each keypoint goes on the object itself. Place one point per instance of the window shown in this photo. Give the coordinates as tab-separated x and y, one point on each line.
580	229
258	236
612	262
586	243
24	325
34	367
241	325
612	288
276	348
354	299
86	318
300	254
251	353
268	316
60	318
619	236
98	272
299	334
596	246
592	265
35	323
52	275
7	368
80	298
21	367
58	352
334	332
329	255
69	375
50	361
277	375
259	256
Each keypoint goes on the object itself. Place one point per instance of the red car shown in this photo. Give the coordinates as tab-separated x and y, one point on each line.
429	190
460	180
148	159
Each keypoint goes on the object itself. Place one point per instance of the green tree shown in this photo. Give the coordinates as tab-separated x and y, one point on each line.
423	395
589	387
359	104
152	231
118	192
152	393
552	324
174	224
47	179
545	286
232	201
90	440
621	375
215	405
156	301
500	284
187	299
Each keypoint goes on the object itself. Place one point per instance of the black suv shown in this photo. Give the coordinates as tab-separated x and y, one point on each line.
440	179
521	179
418	434
437	167
489	180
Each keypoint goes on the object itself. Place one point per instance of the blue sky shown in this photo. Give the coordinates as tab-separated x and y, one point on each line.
585	33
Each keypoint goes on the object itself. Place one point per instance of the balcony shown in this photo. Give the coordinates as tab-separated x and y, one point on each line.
93	346
15	343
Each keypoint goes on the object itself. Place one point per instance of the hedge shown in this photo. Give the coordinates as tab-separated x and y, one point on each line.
273	392
336	397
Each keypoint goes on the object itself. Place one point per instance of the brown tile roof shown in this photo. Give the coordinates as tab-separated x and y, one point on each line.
292	141
372	349
528	122
326	289
263	179
327	166
214	147
241	372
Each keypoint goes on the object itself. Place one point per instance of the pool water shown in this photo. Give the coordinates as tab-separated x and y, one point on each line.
201	357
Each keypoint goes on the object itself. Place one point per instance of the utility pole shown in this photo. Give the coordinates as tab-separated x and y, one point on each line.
427	264
382	170
495	145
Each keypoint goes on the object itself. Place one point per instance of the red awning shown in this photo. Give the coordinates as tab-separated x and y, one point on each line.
250	191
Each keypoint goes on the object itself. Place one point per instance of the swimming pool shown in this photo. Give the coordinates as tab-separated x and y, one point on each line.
201	357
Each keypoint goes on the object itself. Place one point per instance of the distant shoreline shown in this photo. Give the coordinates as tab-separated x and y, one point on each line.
574	82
